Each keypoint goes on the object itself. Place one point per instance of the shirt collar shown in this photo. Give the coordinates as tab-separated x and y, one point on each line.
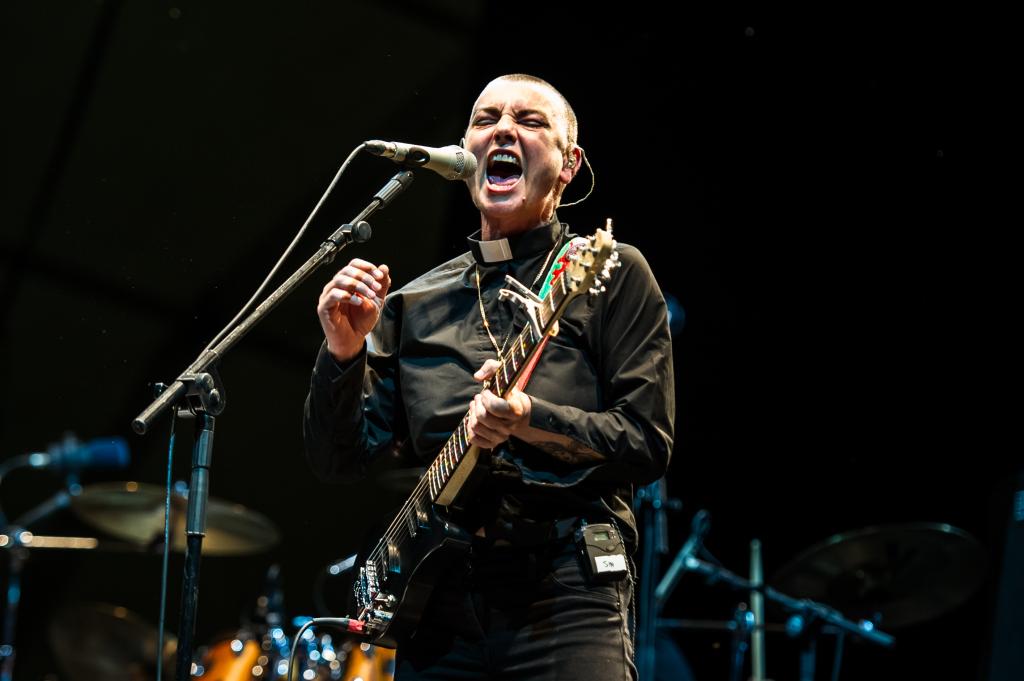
537	240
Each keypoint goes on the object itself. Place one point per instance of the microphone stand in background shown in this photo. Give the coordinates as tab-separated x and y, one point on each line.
200	391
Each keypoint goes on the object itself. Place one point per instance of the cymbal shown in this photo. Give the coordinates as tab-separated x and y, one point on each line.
905	573
135	512
100	641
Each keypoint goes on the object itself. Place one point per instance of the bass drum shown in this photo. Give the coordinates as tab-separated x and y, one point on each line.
365	662
235	658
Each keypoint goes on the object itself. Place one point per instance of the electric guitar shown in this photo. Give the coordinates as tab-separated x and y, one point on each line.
398	575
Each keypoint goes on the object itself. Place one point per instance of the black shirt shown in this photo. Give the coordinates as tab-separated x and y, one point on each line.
606	381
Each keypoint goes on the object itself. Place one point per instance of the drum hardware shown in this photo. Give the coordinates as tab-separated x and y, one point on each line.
651	507
17	540
808	619
129	511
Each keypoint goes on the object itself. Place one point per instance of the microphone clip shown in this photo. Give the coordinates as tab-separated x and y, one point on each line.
204	392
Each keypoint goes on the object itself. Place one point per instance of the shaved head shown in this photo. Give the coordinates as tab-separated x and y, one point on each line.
571	127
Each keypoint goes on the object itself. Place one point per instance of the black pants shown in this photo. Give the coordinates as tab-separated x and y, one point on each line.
522	615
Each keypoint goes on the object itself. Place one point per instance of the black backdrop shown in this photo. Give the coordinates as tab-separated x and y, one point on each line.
813	188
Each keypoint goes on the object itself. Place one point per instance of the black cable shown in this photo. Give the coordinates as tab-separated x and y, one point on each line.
348	624
280	261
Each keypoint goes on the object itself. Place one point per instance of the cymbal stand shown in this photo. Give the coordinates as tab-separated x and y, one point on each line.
743	619
808	618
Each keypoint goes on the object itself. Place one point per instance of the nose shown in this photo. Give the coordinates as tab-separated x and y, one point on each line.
505	129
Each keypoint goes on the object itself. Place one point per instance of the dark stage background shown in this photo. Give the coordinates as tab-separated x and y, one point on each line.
812	188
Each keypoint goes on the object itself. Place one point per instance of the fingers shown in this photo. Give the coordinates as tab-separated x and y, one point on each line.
493	420
482	430
489	368
355	281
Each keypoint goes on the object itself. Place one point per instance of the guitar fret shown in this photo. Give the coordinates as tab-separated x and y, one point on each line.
497	388
504	372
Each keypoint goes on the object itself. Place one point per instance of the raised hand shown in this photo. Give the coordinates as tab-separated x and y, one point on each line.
350	304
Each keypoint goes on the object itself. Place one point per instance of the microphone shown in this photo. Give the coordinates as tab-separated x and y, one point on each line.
451	162
71	455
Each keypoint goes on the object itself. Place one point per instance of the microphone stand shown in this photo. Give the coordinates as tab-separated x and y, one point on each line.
200	390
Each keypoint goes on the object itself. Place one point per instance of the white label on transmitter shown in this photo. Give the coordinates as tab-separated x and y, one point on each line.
613	563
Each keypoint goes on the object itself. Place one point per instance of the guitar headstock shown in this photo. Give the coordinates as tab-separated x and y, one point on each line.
590	267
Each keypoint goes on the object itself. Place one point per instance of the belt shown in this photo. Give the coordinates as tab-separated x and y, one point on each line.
526	534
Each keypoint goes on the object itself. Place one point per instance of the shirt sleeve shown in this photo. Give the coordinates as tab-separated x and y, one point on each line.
353	409
633	435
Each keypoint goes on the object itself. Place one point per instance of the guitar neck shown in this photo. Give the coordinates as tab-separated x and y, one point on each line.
508	374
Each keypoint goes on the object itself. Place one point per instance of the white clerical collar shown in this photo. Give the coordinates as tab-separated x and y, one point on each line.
497	250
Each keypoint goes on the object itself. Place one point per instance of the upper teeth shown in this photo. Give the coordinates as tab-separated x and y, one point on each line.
507	158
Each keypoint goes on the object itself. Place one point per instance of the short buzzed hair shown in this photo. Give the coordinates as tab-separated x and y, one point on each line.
572	127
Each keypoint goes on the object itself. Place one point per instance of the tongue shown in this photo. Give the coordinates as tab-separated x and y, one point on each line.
502	180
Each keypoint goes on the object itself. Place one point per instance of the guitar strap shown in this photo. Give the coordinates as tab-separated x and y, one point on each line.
557	268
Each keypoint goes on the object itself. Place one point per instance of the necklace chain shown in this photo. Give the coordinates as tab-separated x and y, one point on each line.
483	315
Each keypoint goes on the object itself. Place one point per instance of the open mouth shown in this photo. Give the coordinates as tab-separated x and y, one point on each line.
503	169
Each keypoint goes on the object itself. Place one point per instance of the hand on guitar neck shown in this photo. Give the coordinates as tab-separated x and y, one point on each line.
492	420
350	304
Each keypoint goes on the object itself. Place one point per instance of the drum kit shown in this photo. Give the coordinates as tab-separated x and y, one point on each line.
889	576
96	641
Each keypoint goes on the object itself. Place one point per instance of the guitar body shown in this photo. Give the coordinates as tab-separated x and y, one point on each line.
428	556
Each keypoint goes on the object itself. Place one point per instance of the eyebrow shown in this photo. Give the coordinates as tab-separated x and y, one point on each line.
523	112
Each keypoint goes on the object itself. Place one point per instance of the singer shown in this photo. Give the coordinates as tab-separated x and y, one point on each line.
595	421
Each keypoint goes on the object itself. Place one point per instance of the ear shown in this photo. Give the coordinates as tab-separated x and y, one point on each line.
571	164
